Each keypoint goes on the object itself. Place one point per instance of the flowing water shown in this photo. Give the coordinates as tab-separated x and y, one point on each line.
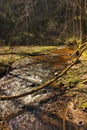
43	110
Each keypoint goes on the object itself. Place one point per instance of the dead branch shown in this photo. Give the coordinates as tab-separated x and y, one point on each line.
48	82
22	54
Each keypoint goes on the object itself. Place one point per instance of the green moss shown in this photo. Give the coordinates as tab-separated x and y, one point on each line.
59	83
71	39
85	55
72	78
84	106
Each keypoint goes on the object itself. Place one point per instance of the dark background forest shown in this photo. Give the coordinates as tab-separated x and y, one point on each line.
42	22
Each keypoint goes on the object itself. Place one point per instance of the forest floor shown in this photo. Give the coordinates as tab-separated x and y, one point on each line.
62	105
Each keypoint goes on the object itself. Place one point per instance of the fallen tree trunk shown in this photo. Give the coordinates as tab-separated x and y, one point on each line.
48	82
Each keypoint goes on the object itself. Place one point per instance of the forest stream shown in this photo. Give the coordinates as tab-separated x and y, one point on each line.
46	109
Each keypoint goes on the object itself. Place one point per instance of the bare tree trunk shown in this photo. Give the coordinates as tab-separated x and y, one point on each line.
82	16
73	20
27	13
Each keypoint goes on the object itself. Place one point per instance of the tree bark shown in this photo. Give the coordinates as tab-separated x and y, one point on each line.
82	20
